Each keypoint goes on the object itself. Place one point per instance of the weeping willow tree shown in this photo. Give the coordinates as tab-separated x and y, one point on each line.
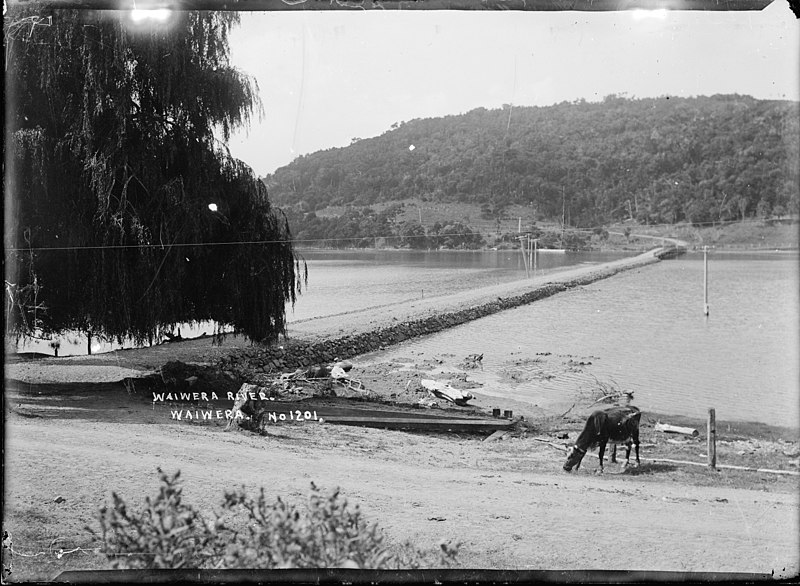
125	213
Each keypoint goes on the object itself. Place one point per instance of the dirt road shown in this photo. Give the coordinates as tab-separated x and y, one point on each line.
508	502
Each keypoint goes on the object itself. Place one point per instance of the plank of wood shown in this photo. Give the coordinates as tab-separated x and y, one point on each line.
496	435
363	410
429	424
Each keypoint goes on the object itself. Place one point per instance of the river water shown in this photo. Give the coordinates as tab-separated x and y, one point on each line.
644	331
344	281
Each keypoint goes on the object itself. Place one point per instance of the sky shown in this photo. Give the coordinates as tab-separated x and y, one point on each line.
326	77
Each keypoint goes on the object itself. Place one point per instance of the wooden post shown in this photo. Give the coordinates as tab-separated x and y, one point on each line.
705	280
530	253
524	259
533	261
712	439
535	254
519	226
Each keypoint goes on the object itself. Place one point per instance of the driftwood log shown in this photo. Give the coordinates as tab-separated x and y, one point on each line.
667	428
443	390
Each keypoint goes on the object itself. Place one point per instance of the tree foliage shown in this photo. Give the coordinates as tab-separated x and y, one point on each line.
117	143
366	228
657	160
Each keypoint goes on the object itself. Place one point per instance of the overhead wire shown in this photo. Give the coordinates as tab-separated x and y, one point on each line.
350	238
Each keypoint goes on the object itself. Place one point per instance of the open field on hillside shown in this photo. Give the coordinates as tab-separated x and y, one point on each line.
751	234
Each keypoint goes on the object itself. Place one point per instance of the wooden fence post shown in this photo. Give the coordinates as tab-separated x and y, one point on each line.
705	281
712	439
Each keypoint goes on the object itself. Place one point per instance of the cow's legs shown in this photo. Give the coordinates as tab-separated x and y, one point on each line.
636	441
627	453
602	455
614	454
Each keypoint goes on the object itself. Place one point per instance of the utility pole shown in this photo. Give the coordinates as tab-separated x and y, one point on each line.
563	209
522	250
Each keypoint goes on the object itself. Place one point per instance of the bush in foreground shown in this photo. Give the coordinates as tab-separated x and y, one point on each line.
324	532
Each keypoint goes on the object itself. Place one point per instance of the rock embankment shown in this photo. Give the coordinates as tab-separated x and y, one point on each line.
318	341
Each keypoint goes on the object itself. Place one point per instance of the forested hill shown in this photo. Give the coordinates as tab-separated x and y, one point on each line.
658	160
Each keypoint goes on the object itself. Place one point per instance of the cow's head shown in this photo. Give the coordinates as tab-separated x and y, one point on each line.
574	459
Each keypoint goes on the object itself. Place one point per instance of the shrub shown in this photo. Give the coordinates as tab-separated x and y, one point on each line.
323	532
165	534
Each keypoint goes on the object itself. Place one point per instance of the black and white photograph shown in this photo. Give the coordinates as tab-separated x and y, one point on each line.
363	291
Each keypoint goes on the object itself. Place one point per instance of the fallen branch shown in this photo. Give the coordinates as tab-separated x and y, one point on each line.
549	443
604	398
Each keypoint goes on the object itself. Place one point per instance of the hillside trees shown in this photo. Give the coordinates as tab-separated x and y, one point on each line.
704	159
125	215
366	228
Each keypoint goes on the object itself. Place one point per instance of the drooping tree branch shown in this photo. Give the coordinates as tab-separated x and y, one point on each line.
114	136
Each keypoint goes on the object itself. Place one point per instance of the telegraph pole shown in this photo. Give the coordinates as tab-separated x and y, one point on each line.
522	250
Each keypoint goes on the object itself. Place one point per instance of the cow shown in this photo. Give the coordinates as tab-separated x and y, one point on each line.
618	424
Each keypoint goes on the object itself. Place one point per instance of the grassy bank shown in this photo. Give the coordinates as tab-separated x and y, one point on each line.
750	235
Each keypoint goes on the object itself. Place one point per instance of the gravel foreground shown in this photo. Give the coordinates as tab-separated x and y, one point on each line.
74	434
